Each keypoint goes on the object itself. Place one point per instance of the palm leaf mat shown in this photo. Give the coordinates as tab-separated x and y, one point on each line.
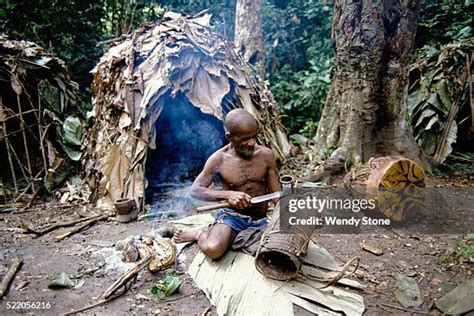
235	287
193	221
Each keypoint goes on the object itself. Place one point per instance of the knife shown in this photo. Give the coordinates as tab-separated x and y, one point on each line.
254	200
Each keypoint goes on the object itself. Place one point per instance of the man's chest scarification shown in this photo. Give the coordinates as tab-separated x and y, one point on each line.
247	173
240	173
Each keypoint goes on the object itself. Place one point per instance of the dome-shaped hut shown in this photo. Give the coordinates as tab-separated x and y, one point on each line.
160	99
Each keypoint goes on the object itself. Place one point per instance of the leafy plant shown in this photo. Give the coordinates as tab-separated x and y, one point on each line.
168	286
436	84
329	152
442	21
438	76
463	250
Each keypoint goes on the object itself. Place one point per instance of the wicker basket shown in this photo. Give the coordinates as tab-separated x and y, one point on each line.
281	254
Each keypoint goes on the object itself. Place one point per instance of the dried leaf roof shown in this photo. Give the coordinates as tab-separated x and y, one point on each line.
23	61
132	80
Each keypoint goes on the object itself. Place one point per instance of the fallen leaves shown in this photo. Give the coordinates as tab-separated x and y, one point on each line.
407	291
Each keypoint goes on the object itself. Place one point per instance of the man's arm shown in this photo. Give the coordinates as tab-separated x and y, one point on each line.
200	188
273	183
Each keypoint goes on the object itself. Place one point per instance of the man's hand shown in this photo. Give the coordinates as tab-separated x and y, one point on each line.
238	200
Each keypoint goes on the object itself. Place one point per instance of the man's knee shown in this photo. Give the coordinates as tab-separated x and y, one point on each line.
213	249
215	242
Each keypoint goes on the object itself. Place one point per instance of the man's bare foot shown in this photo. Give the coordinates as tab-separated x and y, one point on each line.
188	235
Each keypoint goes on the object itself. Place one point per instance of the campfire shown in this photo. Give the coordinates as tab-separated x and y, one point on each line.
161	250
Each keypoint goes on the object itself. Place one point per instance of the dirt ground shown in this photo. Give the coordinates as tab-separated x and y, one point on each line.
87	256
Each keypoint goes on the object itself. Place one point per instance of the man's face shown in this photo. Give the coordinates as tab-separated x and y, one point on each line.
244	141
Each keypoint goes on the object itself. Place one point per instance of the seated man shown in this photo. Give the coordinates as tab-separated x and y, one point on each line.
245	169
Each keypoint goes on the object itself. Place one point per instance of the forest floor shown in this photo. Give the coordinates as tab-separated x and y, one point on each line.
88	255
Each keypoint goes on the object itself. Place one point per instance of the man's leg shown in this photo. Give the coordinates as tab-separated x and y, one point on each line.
215	241
188	235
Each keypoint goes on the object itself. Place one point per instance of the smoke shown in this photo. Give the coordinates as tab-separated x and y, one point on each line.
185	138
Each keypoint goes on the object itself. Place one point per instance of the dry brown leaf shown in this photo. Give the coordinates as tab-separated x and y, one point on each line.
114	168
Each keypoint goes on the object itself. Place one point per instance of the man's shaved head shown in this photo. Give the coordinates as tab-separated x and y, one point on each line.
238	120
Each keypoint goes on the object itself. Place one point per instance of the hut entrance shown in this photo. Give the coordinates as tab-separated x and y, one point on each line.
185	138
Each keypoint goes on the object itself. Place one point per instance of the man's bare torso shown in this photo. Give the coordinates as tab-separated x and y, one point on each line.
246	175
246	170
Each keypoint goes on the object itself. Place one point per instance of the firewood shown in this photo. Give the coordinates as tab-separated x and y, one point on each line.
81	227
64	224
16	264
59	225
127	276
122	281
85	308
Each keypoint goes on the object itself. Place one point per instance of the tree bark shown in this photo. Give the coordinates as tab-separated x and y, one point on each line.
248	37
364	114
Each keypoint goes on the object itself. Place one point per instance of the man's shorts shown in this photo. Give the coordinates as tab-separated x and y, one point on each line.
236	221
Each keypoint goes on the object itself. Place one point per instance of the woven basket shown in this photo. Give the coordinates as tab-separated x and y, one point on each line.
281	254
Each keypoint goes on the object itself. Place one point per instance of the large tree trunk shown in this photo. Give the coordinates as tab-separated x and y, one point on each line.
364	115
248	37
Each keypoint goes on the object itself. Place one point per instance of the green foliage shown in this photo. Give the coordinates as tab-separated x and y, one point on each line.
223	12
444	21
437	77
328	152
123	16
463	250
168	286
436	83
299	60
72	134
302	95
